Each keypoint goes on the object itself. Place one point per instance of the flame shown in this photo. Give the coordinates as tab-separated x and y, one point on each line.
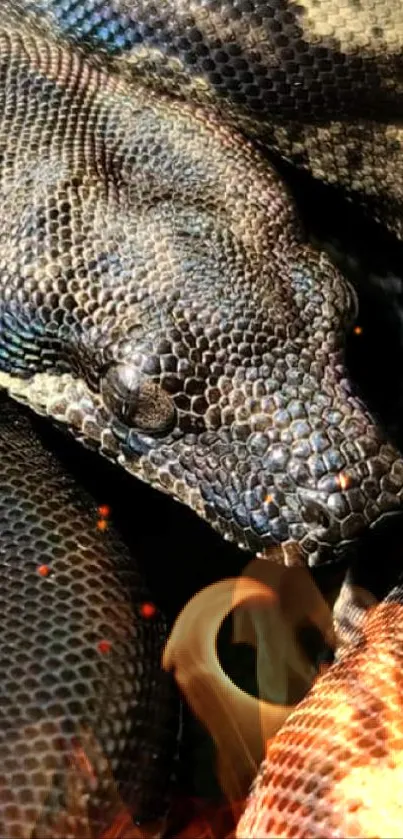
123	827
240	724
234	719
197	818
343	480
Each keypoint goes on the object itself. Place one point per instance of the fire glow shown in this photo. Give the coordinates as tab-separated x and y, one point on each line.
354	746
240	724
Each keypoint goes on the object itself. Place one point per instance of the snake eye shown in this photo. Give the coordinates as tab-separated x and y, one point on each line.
137	401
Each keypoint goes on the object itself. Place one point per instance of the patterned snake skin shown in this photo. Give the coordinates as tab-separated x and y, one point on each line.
88	719
157	293
335	768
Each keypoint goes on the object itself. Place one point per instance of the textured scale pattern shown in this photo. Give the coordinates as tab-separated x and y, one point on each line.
316	81
158	298
157	294
335	769
89	721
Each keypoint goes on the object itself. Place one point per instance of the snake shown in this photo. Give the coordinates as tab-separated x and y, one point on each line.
159	297
90	723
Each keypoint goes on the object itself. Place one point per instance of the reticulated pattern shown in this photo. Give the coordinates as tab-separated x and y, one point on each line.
88	722
335	768
316	81
156	292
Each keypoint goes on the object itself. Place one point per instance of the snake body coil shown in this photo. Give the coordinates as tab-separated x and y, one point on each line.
89	721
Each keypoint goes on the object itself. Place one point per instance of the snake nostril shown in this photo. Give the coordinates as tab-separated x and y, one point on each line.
136	400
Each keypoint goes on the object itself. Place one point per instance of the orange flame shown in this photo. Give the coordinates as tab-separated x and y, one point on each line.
343	480
239	724
196	818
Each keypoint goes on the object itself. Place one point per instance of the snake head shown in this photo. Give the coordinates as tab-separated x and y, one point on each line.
159	299
247	415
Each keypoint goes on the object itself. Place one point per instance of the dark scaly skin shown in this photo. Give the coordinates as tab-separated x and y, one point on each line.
317	82
137	227
154	277
335	768
84	733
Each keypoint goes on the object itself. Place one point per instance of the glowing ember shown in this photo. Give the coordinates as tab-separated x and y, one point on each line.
343	480
358	330
102	524
268	499
104	646
104	511
147	610
43	570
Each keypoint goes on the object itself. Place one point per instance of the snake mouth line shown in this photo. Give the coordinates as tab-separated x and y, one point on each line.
180	467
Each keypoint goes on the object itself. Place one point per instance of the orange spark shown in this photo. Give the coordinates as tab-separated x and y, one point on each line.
147	610
43	570
104	646
102	524
358	330
104	511
343	480
268	499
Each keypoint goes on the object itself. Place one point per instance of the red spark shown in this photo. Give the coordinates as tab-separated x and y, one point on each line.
104	646
147	610
104	511
43	570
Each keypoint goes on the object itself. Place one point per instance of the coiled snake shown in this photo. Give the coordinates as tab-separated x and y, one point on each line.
158	296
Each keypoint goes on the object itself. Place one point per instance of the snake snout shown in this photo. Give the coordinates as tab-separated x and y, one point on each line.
137	401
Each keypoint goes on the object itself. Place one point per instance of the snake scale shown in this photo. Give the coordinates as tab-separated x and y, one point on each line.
158	296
